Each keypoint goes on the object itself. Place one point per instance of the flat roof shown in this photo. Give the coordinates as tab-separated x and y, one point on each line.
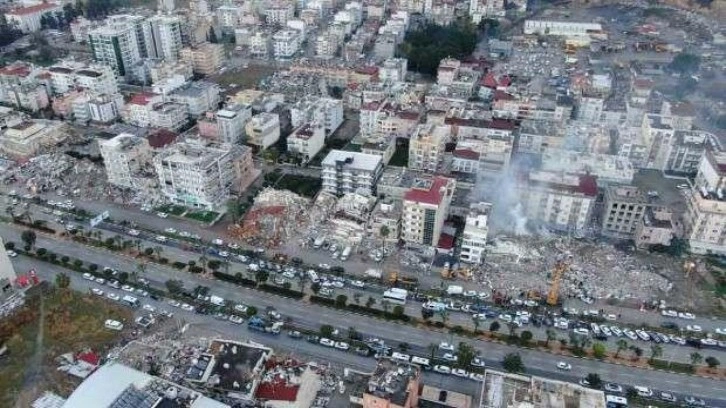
358	161
428	191
235	363
504	390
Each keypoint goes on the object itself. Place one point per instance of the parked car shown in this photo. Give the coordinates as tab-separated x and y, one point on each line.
564	366
459	372
113	296
442	369
667	396
294	334
614	388
88	276
236	319
97	292
686	316
446	346
327	342
341	345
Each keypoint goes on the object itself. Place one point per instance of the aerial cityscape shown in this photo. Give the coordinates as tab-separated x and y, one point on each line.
362	203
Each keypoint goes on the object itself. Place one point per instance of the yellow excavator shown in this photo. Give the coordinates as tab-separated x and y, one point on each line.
553	297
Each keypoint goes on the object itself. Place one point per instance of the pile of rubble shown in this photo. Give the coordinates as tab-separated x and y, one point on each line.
522	264
64	175
274	218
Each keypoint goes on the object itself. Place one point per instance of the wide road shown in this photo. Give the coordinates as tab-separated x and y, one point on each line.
103	258
312	316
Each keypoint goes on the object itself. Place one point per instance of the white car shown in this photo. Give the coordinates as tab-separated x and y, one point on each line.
113	325
564	366
173	303
187	307
476	377
678	340
582	331
12	253
442	369
170	231
162	215
450	357
224	254
460	372
218	241
88	276
327	342
606	331
669	313
113	296
236	319
686	316
694	328
446	346
127	288
134	233
341	345
682	186
161	238
357	284
643	335
505	318
100	281
616	331
149	308
630	334
483	295
470	293
614	388
721	331
97	292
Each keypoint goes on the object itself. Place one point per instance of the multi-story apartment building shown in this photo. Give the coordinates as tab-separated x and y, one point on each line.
138	110
476	232
260	44
426	147
609	169
558	109
97	79
229	16
231	122
199	176
480	9
163	37
27	19
198	97
657	133
79	28
349	172
656	228
623	211
425	208
327	44
393	70
263	130
688	147
168	115
21	86
705	219
26	139
205	58
558	200
306	141
105	108
279	12
115	45
327	111
286	43
127	159
589	108
561	28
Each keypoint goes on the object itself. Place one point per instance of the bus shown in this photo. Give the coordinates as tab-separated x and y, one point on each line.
395	295
346	253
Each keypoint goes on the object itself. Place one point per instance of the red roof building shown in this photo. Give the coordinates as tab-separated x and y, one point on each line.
425	208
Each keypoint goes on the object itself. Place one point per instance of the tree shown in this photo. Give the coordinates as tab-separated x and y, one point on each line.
685	63
594	380
28	237
174	286
261	276
158	250
385	305
212	36
656	350
551	335
315	287
10	245
399	311
341	301
403	346
428	45
696	358
62	280
526	337
621	345
353	333
426	314
326	330
123	277
214	264
494	326
384	231
65	259
476	322
465	353
370	302
712	362
512	363
77	263
356	298
444	315
598	350
637	352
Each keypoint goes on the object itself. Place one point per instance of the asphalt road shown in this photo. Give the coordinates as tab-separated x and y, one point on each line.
91	255
312	316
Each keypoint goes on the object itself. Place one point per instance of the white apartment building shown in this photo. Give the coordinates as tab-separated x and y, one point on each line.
425	208
705	218
163	37
20	86
97	79
480	9
307	141
260	44
609	169
558	200
285	43
687	150
199	176
589	108
327	111
350	172
126	157
205	58
263	130
658	134
105	108
326	44
198	97
426	147
115	45
476	232
231	122
26	139
27	19
168	115
279	12
137	111
393	70
229	16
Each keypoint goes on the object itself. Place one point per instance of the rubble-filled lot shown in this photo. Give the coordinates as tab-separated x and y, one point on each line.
596	271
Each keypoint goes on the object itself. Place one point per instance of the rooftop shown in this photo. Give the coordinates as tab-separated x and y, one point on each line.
235	364
390	381
627	194
572	183
115	385
503	390
142	98
38	8
122	142
354	160
443	398
429	190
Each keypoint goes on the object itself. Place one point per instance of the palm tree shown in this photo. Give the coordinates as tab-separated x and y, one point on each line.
432	347
137	244
444	315
158	250
203	262
385	305
551	335
696	358
512	328
356	298
621	345
384	231
476	322
656	350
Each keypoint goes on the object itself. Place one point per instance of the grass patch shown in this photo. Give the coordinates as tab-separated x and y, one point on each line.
303	185
400	155
171	209
203	216
73	321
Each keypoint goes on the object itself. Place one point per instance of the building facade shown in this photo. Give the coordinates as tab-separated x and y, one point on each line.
350	172
425	208
623	211
306	141
126	157
476	232
705	219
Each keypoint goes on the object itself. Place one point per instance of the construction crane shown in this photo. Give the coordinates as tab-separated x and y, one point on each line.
561	267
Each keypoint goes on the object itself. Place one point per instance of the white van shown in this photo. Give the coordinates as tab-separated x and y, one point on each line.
400	357
113	325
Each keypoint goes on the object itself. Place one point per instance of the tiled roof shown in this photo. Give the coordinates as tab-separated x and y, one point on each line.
24	11
432	196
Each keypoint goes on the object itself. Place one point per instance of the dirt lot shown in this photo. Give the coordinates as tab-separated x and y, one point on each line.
243	77
58	322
